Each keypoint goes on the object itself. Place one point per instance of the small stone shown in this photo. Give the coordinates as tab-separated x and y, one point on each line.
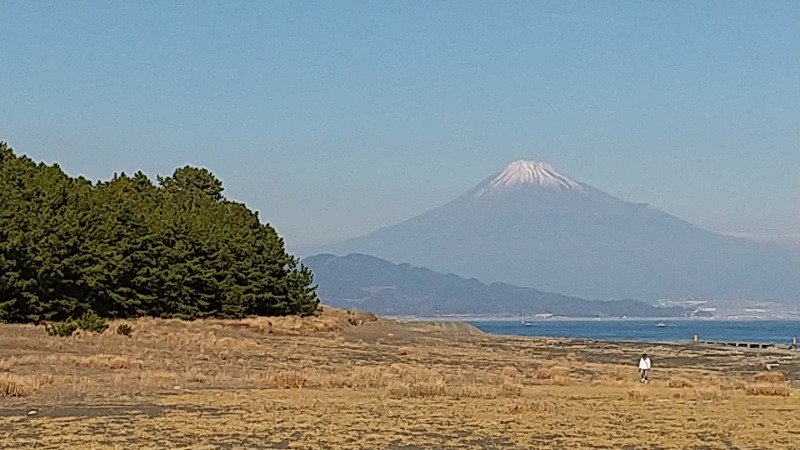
177	388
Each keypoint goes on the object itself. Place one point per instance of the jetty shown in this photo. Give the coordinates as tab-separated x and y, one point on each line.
741	344
756	345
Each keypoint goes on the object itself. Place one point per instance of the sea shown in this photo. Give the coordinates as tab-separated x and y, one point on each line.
763	331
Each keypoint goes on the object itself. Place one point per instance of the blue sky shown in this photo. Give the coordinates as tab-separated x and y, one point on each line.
335	118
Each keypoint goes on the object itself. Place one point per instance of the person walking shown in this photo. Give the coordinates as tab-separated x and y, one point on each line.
644	367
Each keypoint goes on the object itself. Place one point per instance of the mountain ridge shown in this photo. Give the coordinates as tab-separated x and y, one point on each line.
372	284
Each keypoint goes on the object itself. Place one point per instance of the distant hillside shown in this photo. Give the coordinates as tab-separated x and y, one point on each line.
372	284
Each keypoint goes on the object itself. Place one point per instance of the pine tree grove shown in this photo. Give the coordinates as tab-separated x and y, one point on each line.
128	247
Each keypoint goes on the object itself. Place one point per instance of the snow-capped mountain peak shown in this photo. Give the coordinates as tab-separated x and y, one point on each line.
527	173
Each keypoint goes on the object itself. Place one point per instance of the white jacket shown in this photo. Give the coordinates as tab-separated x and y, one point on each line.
644	364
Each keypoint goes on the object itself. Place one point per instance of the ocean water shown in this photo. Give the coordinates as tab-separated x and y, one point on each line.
772	331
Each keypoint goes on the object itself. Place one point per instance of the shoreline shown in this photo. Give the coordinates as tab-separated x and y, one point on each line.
683	331
500	318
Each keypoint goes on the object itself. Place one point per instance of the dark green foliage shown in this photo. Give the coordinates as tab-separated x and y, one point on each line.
124	329
61	329
128	247
91	322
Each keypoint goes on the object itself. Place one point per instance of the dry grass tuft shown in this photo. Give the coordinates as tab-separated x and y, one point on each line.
287	379
395	380
407	351
551	373
100	361
733	385
19	386
711	394
536	406
509	372
679	382
620	374
368	377
770	389
509	389
570	357
195	375
14	387
440	387
358	318
111	362
402	379
637	396
769	377
436	388
329	320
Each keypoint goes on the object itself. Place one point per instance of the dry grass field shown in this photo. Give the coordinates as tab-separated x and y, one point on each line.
349	381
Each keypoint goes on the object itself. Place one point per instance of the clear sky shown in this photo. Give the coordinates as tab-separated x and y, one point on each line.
335	118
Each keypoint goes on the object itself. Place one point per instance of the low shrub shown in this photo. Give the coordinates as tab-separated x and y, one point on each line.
124	329
89	321
93	323
61	329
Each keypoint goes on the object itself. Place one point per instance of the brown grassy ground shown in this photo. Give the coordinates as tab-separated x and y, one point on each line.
345	381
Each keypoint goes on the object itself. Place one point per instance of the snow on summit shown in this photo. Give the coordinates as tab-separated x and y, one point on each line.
527	173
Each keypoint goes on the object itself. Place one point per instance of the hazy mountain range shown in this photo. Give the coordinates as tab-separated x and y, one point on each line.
532	226
371	284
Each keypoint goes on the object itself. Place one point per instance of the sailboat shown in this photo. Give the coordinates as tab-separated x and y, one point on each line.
524	322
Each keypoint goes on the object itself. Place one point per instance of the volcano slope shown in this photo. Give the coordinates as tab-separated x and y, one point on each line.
351	381
529	225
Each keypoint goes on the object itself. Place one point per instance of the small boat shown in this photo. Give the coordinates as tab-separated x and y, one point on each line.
524	322
661	324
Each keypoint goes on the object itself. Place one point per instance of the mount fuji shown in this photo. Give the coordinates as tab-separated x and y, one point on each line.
530	225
